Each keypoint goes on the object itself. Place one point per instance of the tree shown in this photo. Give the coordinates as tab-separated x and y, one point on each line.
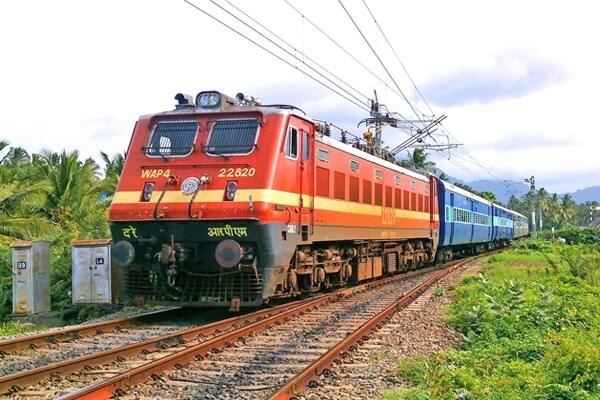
489	196
75	186
418	160
21	199
112	171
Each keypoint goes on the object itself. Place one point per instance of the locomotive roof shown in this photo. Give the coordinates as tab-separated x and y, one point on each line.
366	156
231	110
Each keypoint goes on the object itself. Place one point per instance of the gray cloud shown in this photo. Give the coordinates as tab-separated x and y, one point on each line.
512	76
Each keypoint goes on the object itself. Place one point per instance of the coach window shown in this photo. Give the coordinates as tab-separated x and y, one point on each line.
378	174
291	143
353	166
323	155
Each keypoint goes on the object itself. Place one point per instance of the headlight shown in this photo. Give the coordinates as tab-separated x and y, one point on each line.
147	192
230	190
208	99
123	253
190	185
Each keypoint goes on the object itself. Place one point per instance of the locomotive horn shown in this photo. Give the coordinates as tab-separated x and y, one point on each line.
240	98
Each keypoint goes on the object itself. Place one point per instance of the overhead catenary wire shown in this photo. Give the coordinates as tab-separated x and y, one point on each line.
397	57
380	60
359	104
344	50
289	53
302	53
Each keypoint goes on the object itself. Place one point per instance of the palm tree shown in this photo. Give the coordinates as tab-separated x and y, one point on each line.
75	185
567	210
112	171
489	196
21	199
418	160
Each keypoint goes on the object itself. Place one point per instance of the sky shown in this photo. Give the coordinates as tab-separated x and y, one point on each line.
517	80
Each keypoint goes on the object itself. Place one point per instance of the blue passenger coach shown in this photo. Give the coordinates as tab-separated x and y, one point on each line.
465	221
503	224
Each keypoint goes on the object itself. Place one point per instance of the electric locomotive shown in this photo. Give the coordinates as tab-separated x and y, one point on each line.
227	202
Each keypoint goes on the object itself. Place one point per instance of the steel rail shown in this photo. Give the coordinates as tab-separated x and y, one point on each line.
75	332
118	384
21	379
320	366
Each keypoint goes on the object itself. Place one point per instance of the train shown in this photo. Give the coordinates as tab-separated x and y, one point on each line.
226	202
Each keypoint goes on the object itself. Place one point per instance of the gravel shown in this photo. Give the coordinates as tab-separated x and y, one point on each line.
418	330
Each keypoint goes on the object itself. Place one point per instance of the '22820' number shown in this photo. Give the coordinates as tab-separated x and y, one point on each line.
236	172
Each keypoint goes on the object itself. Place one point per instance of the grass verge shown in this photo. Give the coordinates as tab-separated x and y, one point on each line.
531	327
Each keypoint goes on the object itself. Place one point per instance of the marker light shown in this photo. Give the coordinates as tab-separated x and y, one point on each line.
190	185
208	99
230	190
147	192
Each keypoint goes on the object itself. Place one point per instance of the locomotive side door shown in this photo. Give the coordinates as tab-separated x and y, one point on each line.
305	177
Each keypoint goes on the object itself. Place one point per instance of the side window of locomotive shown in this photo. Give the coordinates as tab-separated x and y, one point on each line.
323	155
172	139
235	136
291	143
305	146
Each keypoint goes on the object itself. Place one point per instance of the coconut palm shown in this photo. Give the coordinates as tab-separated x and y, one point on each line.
75	185
21	199
112	171
418	160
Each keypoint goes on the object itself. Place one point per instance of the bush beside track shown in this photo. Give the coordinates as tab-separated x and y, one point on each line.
531	326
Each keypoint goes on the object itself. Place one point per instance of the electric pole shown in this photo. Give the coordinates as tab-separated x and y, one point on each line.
592	209
531	182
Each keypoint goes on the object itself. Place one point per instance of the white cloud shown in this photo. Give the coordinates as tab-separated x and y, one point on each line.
77	74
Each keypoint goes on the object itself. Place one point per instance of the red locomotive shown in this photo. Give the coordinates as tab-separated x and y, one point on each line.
227	202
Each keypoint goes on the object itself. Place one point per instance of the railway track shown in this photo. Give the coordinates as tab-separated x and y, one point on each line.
54	336
248	356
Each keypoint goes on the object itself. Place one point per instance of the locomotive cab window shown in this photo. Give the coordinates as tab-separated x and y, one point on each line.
172	138
236	136
291	143
354	166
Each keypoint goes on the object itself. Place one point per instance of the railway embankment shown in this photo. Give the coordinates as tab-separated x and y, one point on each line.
527	326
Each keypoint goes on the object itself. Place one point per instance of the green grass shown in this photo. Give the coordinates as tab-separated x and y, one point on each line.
14	328
531	327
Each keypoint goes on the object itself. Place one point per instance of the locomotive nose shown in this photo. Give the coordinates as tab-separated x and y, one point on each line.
228	253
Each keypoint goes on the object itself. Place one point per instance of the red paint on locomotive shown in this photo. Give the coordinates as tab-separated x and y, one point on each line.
308	211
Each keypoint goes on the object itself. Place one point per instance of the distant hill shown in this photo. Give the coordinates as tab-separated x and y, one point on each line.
588	194
504	189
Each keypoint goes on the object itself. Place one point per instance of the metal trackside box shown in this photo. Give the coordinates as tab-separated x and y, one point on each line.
31	282
91	271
